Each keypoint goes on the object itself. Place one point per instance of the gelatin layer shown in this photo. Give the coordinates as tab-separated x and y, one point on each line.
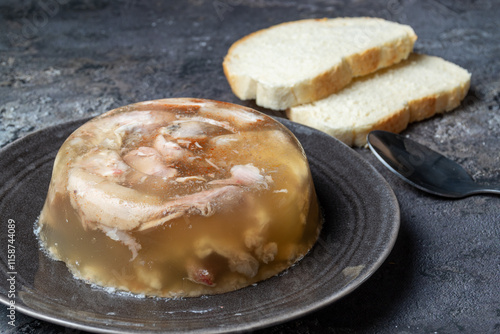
180	197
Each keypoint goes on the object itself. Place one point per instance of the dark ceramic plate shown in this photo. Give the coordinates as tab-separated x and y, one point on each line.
361	224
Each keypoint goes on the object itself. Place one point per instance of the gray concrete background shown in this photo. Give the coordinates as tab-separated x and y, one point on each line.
61	60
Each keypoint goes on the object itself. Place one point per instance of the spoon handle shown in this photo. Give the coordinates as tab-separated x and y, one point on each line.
489	190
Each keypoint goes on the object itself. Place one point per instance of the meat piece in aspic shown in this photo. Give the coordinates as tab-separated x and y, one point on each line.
187	196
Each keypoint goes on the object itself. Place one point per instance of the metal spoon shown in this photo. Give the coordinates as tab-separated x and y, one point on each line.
424	168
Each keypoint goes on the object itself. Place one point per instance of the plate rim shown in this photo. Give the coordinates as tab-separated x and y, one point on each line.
258	324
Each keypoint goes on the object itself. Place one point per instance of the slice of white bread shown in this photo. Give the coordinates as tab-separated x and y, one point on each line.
303	61
389	99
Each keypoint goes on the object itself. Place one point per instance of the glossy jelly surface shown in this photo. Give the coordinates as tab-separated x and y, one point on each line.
180	197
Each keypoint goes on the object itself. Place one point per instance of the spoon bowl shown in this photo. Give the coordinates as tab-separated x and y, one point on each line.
424	168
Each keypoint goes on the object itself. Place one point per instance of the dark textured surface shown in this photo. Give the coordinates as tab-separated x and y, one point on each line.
61	60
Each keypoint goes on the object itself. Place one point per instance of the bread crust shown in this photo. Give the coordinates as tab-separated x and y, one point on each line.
323	84
398	120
